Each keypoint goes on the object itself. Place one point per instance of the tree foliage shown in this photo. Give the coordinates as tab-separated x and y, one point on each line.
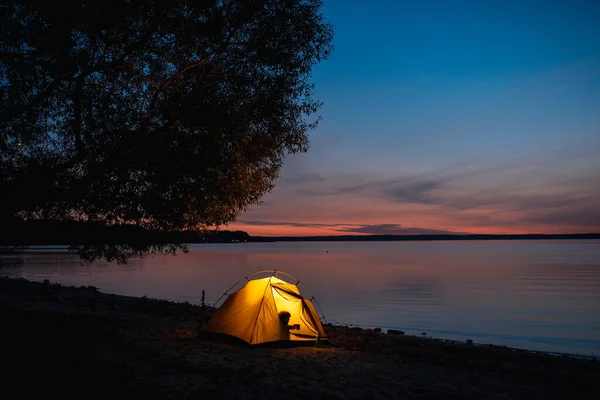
167	115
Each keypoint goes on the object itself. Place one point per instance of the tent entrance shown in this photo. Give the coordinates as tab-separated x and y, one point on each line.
252	313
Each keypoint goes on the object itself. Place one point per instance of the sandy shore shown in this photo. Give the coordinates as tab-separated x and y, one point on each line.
79	342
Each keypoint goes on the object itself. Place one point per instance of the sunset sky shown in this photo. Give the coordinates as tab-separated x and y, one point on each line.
461	116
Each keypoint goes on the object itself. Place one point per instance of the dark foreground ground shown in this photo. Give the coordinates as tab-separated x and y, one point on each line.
77	342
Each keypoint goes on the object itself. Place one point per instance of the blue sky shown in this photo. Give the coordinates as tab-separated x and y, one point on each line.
461	116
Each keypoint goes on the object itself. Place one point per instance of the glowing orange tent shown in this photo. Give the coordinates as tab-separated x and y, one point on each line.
252	313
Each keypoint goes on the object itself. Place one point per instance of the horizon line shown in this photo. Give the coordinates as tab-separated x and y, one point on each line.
419	234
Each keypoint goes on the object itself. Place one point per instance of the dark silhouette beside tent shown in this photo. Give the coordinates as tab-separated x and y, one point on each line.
267	310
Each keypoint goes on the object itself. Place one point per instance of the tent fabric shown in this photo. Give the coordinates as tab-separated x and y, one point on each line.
252	313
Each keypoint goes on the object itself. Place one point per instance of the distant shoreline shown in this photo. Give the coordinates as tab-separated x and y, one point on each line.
455	237
244	237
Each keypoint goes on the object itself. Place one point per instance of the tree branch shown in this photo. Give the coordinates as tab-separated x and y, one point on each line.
20	109
77	111
3	146
168	82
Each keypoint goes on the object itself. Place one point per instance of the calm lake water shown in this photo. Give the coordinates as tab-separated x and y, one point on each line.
539	295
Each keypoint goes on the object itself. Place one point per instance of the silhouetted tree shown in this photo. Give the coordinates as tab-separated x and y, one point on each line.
168	115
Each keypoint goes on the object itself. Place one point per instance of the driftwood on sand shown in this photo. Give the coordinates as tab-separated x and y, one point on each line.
79	342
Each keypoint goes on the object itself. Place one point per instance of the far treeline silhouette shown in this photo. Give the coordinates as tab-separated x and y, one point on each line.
384	238
168	116
52	232
48	232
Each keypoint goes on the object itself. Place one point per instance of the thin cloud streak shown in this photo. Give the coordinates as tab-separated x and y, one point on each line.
300	178
282	223
395	229
349	228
